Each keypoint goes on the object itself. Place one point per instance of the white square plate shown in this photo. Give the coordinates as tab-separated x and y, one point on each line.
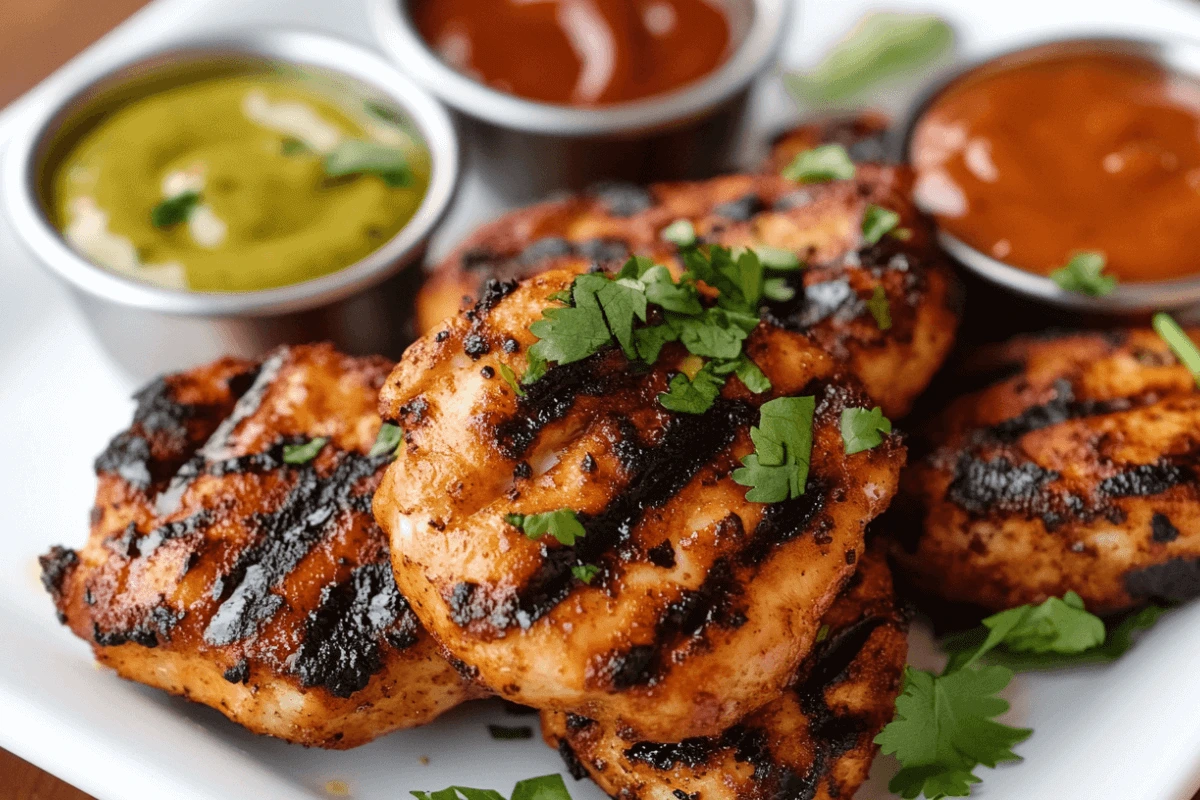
1128	730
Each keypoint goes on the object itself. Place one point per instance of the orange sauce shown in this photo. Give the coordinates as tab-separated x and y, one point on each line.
578	52
1033	162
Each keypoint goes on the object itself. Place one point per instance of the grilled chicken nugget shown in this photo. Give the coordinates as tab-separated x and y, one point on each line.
219	571
893	342
815	740
1074	469
703	603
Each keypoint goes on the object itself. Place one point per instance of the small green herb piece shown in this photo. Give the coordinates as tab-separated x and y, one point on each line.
1084	274
777	258
880	308
291	146
507	733
828	162
863	429
777	289
535	369
303	453
546	787
681	233
822	633
777	470
510	378
694	395
174	210
881	46
945	727
360	157
1180	343
383	112
877	221
387	440
562	524
748	373
585	572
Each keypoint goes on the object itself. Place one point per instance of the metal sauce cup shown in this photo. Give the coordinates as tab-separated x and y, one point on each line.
150	329
1128	299
525	149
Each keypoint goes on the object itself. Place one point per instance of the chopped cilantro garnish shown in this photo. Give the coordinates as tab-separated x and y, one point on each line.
1084	274
945	727
880	308
694	395
777	470
777	258
1180	343
546	787
174	210
863	429
562	524
878	221
510	378
681	232
778	289
387	440
303	453
828	162
585	572
822	633
507	733
360	157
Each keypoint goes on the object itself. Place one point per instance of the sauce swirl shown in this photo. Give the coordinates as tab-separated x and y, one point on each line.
1032	162
578	52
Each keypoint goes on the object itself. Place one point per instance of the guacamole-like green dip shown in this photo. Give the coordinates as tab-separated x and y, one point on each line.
236	183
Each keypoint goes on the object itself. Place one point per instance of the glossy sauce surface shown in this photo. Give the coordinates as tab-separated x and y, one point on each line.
1033	162
578	52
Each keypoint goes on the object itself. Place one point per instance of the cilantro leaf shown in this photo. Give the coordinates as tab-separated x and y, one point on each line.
1180	343
863	429
777	470
944	728
535	367
777	258
778	289
622	300
546	787
681	233
585	572
303	453
1084	274
562	524
386	441
828	162
510	378
880	308
750	375
360	157
714	333
174	210
681	298
571	333
692	396
738	279
877	221
649	341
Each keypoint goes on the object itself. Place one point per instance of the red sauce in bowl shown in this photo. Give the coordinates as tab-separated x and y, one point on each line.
578	52
1031	162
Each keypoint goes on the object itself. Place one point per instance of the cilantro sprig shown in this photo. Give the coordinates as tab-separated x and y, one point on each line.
1180	343
828	162
880	308
878	221
777	470
1084	274
545	787
387	440
945	724
563	524
303	453
863	429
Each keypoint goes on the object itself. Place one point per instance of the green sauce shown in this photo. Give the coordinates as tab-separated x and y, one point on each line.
237	183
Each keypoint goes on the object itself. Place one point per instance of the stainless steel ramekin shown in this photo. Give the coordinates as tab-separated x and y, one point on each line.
526	149
1128	299
149	329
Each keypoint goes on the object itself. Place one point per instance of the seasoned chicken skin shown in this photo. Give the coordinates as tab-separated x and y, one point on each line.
821	223
216	571
704	602
1074	469
814	741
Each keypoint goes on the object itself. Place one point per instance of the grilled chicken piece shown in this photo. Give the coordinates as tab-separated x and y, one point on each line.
704	603
813	741
863	135
822	223
1074	469
216	571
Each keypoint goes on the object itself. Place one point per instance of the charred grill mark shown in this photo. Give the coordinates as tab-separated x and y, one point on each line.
341	649
603	251
662	554
1146	480
997	485
782	522
575	767
665	756
128	456
636	666
286	536
1161	529
493	292
56	565
1174	581
621	199
1060	409
815	303
158	622
238	673
174	530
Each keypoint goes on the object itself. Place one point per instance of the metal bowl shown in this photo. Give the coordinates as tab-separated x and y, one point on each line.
150	329
526	148
1128	299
